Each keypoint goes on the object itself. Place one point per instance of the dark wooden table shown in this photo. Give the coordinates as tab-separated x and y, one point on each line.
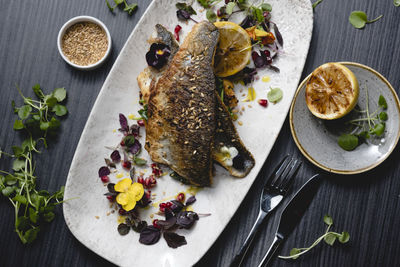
365	205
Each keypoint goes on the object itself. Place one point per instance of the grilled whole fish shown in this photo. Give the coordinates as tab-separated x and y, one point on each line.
225	134
181	109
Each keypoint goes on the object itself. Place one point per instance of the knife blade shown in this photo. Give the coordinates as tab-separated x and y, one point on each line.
292	214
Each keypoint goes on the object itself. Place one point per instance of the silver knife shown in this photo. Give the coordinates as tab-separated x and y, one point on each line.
292	214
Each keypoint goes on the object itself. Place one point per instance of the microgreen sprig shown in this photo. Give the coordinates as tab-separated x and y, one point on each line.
32	206
130	8
373	124
359	19
329	237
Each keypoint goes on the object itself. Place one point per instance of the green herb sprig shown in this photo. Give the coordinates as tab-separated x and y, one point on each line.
396	2
32	206
328	237
316	3
359	19
130	8
373	124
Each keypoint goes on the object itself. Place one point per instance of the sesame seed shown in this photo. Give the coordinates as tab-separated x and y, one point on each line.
240	123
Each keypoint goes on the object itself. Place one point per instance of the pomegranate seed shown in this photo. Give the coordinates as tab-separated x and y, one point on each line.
121	211
105	179
168	204
263	102
267	53
227	1
127	165
219	13
122	143
110	198
140	180
180	197
140	122
265	14
162	207
178	28
155	223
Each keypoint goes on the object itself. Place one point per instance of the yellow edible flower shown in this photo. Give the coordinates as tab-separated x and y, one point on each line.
129	193
251	95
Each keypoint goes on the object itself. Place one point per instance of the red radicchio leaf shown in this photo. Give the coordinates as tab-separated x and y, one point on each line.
115	156
104	171
174	240
149	235
123	122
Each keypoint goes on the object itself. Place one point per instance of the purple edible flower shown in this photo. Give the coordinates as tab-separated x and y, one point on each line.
104	171
157	55
115	156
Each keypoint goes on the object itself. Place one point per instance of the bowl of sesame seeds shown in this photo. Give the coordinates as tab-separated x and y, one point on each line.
84	42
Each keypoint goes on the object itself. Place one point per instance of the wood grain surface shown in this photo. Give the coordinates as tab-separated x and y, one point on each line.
365	205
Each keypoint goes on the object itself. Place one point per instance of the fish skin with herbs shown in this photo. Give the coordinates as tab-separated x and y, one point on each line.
180	130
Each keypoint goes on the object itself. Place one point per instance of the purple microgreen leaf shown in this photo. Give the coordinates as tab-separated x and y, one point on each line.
115	156
186	219
123	122
167	224
274	68
168	213
190	200
149	235
104	171
278	35
123	229
139	226
177	206
132	173
174	240
135	148
111	188
134	129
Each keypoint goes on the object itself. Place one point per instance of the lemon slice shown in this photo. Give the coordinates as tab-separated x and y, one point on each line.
332	91
233	50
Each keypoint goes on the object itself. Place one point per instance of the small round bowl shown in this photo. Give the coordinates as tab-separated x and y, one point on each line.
73	21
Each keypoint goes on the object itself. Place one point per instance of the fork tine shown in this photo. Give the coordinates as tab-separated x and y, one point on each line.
288	180
278	171
283	174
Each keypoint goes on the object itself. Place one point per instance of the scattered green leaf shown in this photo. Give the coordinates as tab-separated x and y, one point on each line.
24	112
383	116
344	237
18	125
266	7
348	141
186	7
60	94
211	16
396	2
378	129
275	95
139	161
328	220
130	8
229	7
59	110
382	102
358	19
18	164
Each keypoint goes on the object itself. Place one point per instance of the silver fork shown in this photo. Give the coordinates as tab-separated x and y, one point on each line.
273	192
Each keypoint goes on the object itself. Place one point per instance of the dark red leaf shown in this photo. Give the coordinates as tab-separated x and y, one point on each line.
174	240
104	171
149	235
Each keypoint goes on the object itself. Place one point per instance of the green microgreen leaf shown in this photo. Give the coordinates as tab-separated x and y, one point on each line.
118	2
24	112
33	215
54	123
130	8
211	16
328	220
382	102
18	125
44	125
396	2
59	110
109	6
378	129
18	164
50	101
344	237
358	19
21	199
258	14
17	151
60	94
316	3
22	223
348	141
294	252
139	161
31	235
229	7
49	216
7	191
10	179
275	95
204	3
383	116
38	91
266	7
330	238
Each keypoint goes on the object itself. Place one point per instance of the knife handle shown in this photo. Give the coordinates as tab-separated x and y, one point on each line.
237	261
271	251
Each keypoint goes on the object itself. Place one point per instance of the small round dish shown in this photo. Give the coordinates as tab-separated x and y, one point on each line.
74	21
317	139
